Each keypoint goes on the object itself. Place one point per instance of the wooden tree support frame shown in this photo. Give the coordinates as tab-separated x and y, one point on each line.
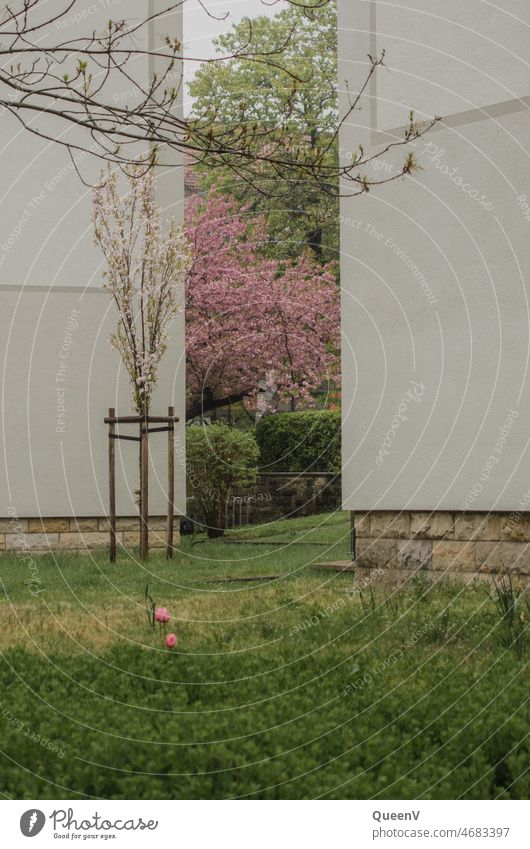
143	423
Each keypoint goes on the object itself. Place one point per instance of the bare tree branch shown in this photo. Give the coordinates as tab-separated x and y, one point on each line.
88	95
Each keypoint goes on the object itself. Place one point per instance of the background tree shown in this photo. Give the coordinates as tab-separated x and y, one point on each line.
251	318
63	90
299	92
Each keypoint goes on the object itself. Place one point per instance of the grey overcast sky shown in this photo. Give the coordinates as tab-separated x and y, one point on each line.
200	29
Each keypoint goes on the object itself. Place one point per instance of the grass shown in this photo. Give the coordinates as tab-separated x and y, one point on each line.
293	688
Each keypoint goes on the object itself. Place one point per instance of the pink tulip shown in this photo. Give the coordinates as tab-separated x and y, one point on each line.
162	614
171	641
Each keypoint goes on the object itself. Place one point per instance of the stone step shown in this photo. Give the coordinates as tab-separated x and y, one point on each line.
338	566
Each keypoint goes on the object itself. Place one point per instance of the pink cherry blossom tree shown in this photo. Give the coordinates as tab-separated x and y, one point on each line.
254	323
144	266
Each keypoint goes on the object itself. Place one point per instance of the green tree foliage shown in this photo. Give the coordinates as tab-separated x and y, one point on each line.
292	83
218	459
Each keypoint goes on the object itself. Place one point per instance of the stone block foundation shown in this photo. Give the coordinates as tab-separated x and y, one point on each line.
82	535
459	544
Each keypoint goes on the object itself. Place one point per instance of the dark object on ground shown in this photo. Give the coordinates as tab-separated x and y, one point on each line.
187	526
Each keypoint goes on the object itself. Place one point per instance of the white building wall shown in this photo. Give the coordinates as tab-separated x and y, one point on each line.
55	324
435	267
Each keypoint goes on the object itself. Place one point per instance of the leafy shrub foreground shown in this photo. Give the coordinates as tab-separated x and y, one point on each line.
339	709
300	442
218	458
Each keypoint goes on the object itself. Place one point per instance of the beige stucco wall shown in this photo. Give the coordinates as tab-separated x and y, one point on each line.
59	374
436	328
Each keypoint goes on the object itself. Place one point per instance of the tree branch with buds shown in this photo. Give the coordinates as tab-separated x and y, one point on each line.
64	90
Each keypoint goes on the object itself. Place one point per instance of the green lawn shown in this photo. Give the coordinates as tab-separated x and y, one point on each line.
288	688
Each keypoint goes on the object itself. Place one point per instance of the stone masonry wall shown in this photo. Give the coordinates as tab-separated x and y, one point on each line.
280	495
443	542
78	534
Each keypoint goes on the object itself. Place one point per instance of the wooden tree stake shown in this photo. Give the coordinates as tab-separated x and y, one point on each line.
144	489
112	487
170	481
143	440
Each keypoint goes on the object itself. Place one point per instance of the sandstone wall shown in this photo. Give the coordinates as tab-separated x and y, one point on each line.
40	536
458	542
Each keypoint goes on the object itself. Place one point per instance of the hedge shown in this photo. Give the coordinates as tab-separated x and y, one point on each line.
300	442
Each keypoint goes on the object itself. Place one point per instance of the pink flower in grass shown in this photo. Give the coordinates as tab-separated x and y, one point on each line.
171	641
162	614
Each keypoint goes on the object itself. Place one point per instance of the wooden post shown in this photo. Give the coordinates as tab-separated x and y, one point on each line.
143	440
112	487
353	536
144	489
170	481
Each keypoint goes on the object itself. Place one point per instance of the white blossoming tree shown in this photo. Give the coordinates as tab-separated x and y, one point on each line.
145	263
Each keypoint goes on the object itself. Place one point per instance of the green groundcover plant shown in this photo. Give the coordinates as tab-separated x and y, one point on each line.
137	724
293	688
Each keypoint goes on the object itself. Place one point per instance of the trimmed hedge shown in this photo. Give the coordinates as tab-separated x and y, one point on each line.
300	442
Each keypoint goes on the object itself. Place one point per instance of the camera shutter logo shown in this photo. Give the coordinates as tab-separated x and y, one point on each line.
32	822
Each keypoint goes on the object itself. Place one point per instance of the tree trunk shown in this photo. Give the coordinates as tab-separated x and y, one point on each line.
315	242
216	520
207	403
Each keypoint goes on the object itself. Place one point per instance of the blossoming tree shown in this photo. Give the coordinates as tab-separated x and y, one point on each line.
144	264
254	320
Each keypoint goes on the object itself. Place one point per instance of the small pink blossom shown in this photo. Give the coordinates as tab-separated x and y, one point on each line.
162	614
171	641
